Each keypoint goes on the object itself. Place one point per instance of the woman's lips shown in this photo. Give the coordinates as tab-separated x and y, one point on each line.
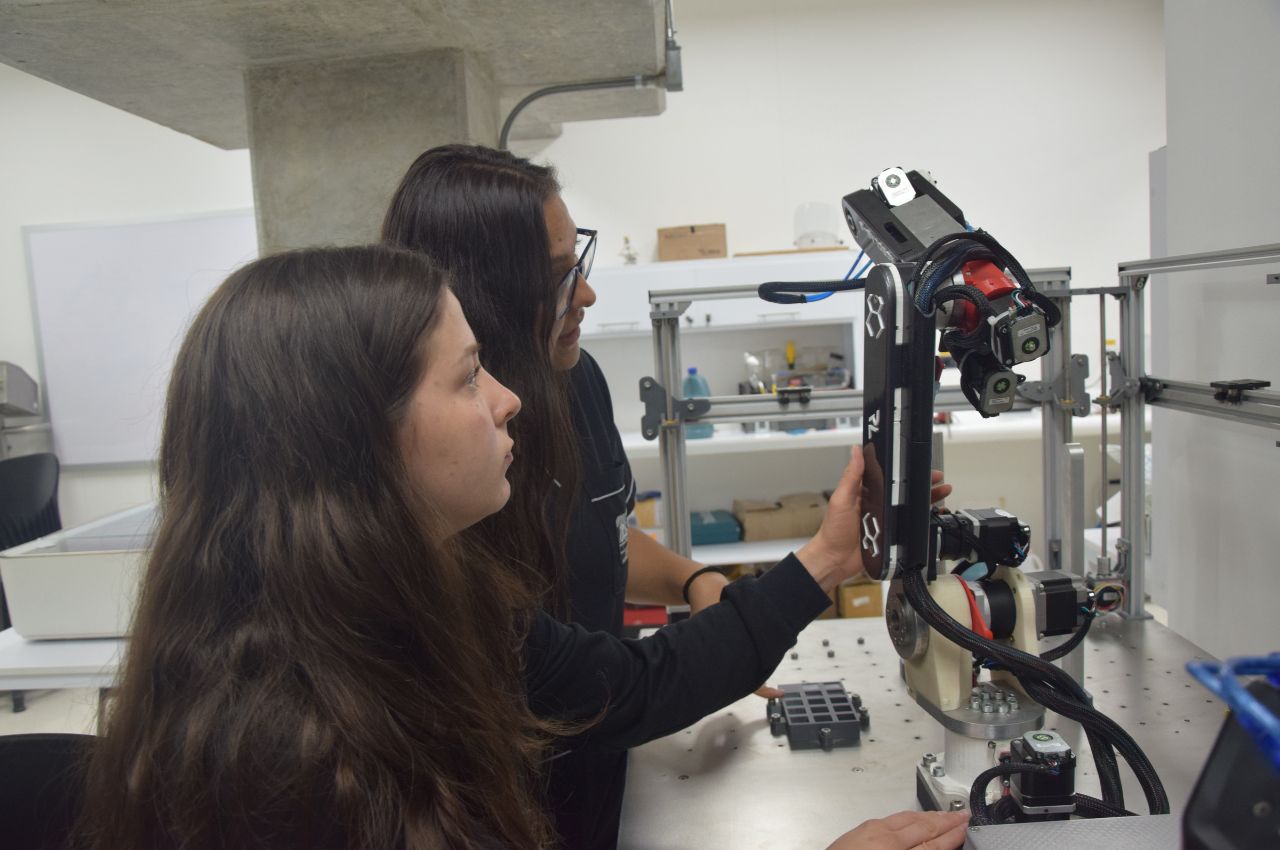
570	337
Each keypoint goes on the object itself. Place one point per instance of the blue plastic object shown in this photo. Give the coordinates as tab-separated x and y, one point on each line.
1223	679
696	386
710	527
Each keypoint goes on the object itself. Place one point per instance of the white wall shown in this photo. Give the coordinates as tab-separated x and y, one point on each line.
1036	117
1214	494
64	159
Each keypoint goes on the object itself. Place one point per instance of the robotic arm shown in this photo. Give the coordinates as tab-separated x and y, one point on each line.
938	282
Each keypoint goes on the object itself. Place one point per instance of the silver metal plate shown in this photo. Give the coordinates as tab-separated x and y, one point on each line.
1155	832
727	782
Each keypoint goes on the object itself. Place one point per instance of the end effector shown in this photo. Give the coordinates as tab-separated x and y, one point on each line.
982	300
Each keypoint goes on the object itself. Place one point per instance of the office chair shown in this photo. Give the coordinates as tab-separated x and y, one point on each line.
41	789
28	509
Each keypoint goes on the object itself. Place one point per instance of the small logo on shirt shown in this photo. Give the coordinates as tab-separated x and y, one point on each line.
623	532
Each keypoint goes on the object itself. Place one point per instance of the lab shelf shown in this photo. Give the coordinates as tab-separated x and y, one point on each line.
965	428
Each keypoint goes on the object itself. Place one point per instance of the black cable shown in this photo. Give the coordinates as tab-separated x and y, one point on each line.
1108	769
782	291
1063	649
1113	734
1005	810
1011	658
949	253
1043	682
917	593
979	815
1092	807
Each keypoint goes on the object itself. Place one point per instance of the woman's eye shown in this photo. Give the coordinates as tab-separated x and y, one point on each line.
474	377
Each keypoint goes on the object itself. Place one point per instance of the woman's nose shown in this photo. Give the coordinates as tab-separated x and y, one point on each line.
583	296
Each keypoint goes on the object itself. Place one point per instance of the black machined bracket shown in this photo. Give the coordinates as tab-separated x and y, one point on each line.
818	716
802	395
1233	392
1076	399
654	397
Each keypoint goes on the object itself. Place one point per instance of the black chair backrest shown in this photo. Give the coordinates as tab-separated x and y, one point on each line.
28	498
41	789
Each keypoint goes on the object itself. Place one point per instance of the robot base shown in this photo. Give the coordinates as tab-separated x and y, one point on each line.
943	780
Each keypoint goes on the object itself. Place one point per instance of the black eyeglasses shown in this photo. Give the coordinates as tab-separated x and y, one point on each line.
569	284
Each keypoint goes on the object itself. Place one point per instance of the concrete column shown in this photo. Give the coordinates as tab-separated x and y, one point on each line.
330	139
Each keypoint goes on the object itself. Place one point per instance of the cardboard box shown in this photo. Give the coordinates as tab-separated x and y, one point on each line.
648	512
860	599
794	515
692	242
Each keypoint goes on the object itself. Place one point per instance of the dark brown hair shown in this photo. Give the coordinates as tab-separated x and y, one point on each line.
478	212
310	666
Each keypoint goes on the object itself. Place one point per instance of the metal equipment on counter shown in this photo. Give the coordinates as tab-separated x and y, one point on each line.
935	273
19	406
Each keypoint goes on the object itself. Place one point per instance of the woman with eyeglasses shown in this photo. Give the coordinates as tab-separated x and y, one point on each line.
520	266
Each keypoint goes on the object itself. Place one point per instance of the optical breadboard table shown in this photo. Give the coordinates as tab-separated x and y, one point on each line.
728	782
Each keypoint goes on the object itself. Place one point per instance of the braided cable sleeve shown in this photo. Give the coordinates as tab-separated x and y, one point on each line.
1046	684
1063	649
1092	807
1111	732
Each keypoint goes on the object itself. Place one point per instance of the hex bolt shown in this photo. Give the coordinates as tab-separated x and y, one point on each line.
975	703
957	805
824	738
938	770
988	708
929	758
1002	708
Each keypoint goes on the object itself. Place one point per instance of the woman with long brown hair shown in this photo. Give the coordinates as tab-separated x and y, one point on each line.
319	657
520	264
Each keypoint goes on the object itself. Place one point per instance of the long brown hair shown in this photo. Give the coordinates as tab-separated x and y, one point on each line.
478	212
309	665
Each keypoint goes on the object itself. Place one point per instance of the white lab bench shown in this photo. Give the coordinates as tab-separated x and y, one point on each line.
727	782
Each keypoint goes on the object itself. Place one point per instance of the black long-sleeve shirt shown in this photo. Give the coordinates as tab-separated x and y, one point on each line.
661	684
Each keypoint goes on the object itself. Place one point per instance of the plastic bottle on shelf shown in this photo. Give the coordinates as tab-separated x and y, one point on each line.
695	386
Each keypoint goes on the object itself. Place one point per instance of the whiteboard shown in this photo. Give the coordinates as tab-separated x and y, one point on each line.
111	305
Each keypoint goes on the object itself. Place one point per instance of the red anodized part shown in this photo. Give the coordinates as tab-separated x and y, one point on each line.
985	277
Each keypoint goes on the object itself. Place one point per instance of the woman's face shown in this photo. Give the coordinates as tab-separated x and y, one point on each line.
563	235
454	436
